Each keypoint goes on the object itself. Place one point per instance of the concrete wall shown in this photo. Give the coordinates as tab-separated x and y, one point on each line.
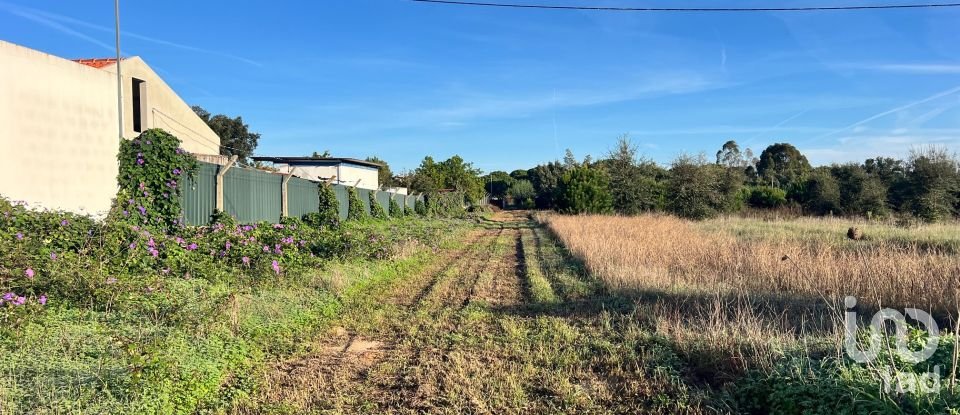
58	128
58	132
362	177
162	108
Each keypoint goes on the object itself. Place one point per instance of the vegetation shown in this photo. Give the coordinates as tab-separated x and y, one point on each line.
926	185
376	209
133	315
396	209
755	308
236	139
384	174
356	209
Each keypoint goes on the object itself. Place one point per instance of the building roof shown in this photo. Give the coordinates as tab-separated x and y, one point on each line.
309	160
96	62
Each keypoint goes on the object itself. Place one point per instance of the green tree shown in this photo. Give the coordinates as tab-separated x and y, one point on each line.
934	183
584	190
730	156
325	154
821	192
522	193
546	182
634	183
236	139
497	183
700	190
451	174
860	193
384	173
782	165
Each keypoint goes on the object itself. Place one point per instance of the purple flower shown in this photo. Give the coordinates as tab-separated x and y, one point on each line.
228	245
192	247
266	248
64	222
125	213
245	260
111	281
42	300
9	296
151	243
247	228
133	245
179	150
277	250
176	172
179	240
130	202
278	226
20	301
143	185
140	161
29	273
53	256
276	267
153	251
19	236
143	210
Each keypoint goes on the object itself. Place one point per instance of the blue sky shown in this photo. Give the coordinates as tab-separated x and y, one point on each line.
509	88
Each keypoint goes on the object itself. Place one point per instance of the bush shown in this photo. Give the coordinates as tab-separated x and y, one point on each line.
767	197
151	174
376	209
445	204
584	190
396	210
355	210
420	207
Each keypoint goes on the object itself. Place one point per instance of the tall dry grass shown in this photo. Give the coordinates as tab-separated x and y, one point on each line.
666	253
739	294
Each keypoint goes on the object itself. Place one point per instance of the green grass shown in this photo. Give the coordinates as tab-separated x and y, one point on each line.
191	346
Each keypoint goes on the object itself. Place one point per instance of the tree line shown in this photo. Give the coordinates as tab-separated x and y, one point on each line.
925	185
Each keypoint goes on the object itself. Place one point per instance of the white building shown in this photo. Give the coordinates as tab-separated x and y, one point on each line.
59	126
346	171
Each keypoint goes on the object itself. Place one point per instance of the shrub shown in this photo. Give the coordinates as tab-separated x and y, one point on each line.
152	170
329	212
376	209
355	210
445	204
584	190
767	197
396	210
420	207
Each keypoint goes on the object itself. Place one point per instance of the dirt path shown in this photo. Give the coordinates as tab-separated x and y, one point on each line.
470	335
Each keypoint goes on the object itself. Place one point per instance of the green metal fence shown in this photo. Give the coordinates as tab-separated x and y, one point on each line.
252	195
200	195
303	197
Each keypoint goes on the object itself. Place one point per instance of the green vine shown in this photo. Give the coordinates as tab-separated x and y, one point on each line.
153	170
396	211
376	209
355	209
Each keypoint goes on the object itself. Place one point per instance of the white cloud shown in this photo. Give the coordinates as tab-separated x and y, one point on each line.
912	68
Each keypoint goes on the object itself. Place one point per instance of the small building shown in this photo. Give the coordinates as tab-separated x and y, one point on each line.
59	126
346	171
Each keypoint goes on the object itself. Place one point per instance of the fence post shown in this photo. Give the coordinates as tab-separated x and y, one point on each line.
220	174
284	203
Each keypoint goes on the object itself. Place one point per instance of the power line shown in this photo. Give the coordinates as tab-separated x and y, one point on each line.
691	9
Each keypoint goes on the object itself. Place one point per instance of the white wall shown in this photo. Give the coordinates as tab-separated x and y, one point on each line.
58	127
163	109
358	176
58	132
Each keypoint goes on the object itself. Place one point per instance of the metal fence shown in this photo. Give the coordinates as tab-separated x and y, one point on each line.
252	195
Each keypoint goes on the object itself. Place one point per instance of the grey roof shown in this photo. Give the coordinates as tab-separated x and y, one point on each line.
307	160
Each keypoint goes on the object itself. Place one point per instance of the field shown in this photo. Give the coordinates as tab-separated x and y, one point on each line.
646	314
514	312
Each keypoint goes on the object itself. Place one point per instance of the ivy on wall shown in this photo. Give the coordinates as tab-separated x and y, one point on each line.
153	170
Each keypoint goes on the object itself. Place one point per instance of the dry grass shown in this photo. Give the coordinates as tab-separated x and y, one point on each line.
803	260
740	294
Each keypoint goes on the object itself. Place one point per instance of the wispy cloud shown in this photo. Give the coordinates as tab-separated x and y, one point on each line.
16	11
861	147
60	22
910	68
907	106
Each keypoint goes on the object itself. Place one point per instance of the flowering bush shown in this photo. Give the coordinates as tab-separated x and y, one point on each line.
396	210
152	170
355	211
376	209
